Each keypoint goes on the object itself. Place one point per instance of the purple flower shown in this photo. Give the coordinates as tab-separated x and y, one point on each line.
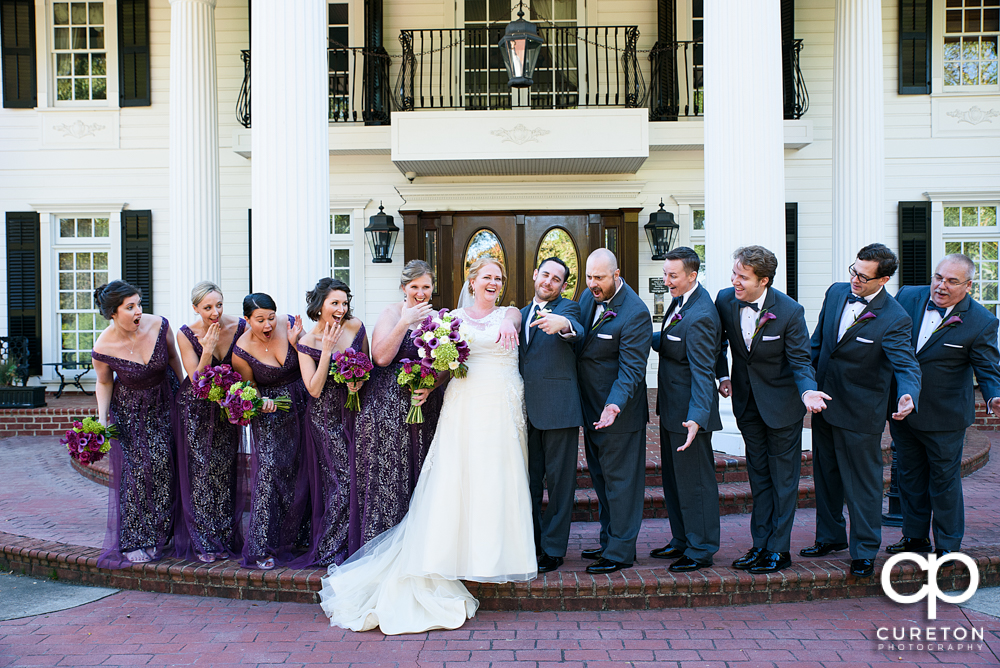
433	343
950	322
247	404
453	335
677	317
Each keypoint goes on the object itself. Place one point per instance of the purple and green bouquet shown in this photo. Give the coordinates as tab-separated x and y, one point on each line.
89	441
213	382
442	347
242	403
351	366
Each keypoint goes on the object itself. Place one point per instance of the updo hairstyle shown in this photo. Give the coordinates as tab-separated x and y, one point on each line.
413	270
202	290
256	300
318	295
108	297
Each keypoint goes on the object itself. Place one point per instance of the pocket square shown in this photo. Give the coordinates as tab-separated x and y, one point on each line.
952	345
858	338
673	338
771	338
605	336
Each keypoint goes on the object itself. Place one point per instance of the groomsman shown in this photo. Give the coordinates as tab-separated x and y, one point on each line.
952	336
861	341
772	385
611	362
688	344
552	397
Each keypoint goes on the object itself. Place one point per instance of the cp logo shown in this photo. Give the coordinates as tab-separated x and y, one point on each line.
930	590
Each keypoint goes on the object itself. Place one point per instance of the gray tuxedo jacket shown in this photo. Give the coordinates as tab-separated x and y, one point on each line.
548	367
611	361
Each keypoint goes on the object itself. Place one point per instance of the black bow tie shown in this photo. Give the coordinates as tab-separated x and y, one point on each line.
853	298
675	304
744	304
931	306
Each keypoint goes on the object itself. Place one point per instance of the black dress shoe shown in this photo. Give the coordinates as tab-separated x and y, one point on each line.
593	553
862	568
820	549
686	564
667	552
547	563
771	562
603	565
921	545
749	559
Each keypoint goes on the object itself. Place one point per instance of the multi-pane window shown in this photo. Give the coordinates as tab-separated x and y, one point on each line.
484	71
556	76
972	229
339	62
81	266
79	51
341	243
971	31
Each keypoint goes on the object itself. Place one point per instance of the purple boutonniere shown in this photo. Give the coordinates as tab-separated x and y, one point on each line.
607	315
677	317
864	317
950	322
765	315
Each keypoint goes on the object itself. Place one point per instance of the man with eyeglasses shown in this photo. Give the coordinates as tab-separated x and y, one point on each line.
861	342
953	336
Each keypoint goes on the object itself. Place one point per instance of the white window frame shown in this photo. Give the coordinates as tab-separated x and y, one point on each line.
354	241
690	237
937	62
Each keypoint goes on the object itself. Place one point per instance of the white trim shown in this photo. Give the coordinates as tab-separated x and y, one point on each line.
341	204
962	195
80	207
45	61
545	195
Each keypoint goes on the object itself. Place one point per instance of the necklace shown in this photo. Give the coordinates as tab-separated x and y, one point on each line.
134	339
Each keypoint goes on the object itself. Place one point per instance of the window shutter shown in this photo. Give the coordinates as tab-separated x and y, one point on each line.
133	53
24	284
137	253
914	243
915	47
787	57
17	51
665	103
792	250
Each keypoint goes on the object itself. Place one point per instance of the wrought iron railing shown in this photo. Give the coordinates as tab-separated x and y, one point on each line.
243	101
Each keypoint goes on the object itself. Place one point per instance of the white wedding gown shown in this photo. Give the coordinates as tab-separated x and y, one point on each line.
470	514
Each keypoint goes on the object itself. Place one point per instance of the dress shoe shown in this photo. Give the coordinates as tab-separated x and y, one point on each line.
603	565
547	563
667	552
593	553
820	549
749	559
771	562
862	568
686	564
921	545
941	553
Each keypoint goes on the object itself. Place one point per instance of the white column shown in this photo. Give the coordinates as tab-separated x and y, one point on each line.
290	149
744	135
858	131
194	155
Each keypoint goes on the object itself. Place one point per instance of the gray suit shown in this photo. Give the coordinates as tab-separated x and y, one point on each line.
552	397
611	363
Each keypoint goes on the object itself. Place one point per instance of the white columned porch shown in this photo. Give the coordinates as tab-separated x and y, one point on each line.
290	167
744	135
858	131
195	244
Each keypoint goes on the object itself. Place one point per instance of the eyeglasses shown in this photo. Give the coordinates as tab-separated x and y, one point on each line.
861	277
951	282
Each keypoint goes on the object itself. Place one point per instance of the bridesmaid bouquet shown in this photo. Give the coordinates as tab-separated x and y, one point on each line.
89	441
351	366
213	382
243	403
441	348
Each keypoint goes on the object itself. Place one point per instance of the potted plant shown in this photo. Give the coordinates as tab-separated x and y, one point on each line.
12	394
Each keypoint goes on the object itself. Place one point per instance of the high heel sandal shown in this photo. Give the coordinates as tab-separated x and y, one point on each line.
139	556
266	564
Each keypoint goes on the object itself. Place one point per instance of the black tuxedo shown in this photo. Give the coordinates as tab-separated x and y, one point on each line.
768	381
688	349
552	399
857	371
611	366
929	443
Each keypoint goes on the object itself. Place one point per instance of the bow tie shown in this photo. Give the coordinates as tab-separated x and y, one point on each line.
853	299
751	305
675	304
931	306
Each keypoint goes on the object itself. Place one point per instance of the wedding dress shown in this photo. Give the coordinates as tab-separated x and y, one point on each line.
470	514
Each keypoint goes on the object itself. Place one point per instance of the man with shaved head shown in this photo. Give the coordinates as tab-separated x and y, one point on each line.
611	367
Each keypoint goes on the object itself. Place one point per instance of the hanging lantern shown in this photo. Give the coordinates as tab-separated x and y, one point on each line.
520	47
661	232
381	234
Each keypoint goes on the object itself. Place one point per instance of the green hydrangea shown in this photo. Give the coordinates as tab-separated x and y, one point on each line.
405	378
91	426
443	356
216	394
427	381
442	332
249	393
106	447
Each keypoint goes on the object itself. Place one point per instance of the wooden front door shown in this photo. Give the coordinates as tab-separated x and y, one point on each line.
449	241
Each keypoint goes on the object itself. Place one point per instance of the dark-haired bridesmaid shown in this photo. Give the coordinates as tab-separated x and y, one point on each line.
137	377
208	448
332	425
281	459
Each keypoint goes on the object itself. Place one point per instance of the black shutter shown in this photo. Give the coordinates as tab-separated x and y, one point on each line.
915	47
788	57
133	53
17	51
24	284
137	253
664	105
914	243
792	250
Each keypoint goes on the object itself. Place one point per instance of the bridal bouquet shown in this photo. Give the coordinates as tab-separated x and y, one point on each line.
213	382
351	366
442	347
243	403
89	441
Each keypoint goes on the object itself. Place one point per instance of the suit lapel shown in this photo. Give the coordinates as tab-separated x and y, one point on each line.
768	305
917	316
876	304
960	310
613	304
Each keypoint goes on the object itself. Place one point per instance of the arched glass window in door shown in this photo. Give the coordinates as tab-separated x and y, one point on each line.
485	242
557	242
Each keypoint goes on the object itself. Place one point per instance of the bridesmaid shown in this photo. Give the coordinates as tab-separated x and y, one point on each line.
336	329
279	482
208	445
137	370
390	452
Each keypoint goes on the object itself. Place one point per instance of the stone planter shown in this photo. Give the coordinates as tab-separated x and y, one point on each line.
22	397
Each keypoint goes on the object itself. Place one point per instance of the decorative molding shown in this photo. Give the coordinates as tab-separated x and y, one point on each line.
552	194
962	195
974	115
71	206
689	199
519	134
78	129
342	203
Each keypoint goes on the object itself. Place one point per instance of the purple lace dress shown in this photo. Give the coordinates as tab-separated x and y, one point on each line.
208	470
335	535
142	496
280	464
389	452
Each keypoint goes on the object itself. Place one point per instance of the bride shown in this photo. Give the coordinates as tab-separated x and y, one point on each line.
470	515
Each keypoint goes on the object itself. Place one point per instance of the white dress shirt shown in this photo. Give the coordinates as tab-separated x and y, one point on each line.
749	318
681	303
852	311
599	311
932	320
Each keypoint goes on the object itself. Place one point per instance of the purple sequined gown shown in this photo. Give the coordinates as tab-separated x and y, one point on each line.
208	457
334	534
141	499
280	463
389	452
